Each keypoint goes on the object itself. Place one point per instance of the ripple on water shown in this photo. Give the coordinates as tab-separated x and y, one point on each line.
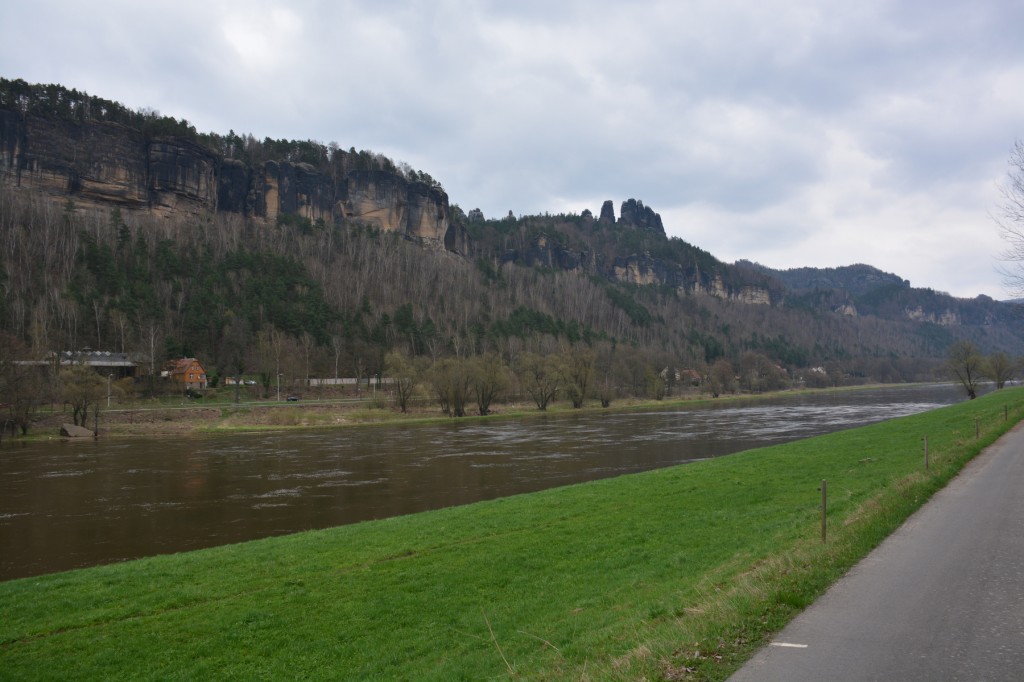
281	492
354	484
67	474
323	473
154	506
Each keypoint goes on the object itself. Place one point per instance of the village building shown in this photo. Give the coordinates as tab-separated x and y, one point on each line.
188	372
105	363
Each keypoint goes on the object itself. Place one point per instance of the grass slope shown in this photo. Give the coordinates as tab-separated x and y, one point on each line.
673	574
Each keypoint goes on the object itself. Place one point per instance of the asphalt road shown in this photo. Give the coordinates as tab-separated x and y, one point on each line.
941	599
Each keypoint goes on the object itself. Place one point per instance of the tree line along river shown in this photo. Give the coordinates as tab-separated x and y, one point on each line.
66	505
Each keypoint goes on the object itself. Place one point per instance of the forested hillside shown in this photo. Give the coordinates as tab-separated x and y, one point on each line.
277	290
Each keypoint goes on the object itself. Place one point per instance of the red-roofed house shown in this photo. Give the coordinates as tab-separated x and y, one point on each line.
186	371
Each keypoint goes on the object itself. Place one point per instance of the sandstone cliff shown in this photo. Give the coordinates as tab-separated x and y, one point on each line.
634	249
103	163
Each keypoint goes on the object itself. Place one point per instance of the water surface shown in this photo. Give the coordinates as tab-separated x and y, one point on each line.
71	504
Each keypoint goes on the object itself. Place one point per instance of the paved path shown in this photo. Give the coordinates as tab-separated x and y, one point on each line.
941	599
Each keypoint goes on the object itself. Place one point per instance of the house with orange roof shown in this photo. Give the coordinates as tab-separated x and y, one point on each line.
188	372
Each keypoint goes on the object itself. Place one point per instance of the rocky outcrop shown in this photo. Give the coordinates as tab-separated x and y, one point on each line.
456	239
234	191
182	176
104	163
297	189
546	253
641	270
389	202
749	294
644	270
632	214
715	287
945	318
108	164
752	295
635	214
12	143
97	162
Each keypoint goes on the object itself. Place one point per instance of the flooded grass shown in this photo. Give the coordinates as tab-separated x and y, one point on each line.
672	574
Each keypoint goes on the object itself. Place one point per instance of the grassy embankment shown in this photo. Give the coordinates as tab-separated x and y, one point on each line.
672	574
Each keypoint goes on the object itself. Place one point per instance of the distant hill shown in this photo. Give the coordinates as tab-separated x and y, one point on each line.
856	279
865	290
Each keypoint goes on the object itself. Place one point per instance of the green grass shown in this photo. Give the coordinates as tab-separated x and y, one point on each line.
672	574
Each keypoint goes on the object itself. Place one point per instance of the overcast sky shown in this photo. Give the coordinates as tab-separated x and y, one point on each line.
783	132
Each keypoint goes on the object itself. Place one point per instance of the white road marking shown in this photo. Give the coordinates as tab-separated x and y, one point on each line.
789	645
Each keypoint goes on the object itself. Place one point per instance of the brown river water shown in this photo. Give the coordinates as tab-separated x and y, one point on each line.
66	505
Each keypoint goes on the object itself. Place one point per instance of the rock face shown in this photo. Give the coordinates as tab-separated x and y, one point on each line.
643	270
12	141
945	318
632	214
285	188
385	201
182	176
96	162
546	253
108	164
635	214
637	269
234	194
749	294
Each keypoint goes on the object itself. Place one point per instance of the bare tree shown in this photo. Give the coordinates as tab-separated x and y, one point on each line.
999	368
603	365
450	378
654	384
965	364
308	344
722	377
490	379
577	369
22	386
337	345
1010	219
404	374
83	389
758	373
541	377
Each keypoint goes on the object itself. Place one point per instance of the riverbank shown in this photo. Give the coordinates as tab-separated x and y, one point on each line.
672	574
222	415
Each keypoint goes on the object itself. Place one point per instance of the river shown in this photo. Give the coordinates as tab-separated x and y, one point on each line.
66	505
